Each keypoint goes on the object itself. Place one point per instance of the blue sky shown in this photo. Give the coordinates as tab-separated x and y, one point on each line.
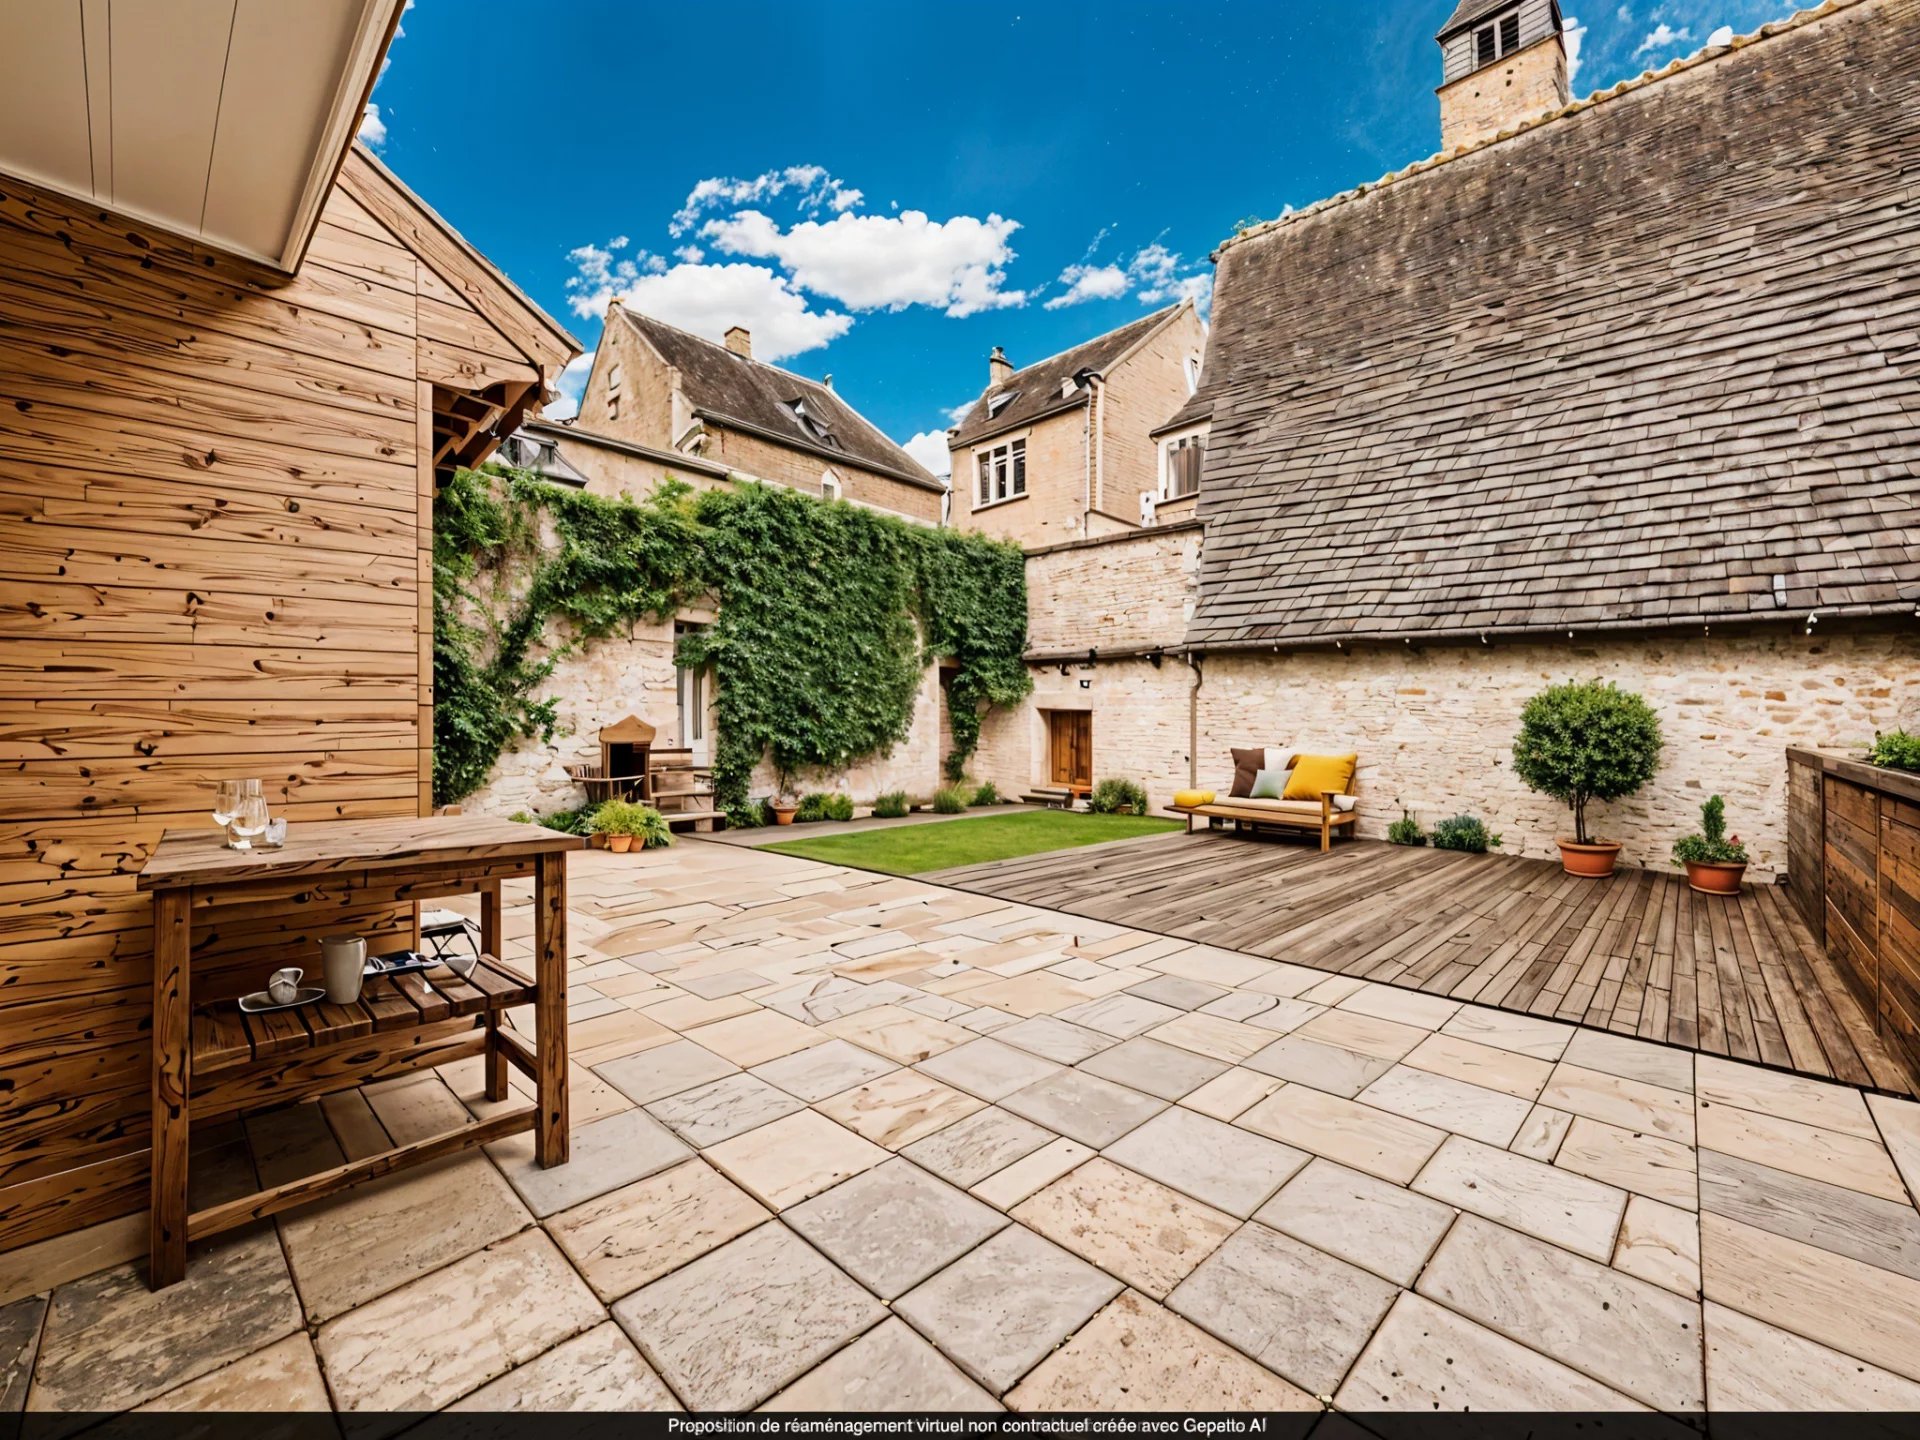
884	192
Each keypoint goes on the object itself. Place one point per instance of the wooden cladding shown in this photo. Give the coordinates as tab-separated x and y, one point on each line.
215	562
1856	829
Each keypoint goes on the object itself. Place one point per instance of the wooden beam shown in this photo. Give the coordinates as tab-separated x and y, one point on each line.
217	1218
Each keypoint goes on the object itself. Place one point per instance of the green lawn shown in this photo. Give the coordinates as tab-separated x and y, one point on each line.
974	840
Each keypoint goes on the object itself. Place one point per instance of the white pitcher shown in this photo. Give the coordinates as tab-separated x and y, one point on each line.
344	960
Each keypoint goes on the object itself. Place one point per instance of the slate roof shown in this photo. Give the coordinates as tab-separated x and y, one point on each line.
1040	384
1467	12
1621	370
727	388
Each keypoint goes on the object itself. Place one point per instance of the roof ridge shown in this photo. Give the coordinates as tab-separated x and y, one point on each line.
1685	64
1095	339
721	345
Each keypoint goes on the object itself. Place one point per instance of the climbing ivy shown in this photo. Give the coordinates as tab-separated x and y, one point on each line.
827	615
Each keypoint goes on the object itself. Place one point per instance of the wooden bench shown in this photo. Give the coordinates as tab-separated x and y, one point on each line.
1320	816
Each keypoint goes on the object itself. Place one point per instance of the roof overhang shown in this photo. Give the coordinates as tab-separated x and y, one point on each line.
219	121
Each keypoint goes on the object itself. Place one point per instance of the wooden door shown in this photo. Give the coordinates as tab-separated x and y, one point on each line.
1071	735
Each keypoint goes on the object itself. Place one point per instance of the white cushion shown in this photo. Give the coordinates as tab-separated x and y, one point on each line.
1279	757
1343	803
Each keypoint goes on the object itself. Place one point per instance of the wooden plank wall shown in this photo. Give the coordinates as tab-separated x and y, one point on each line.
215	507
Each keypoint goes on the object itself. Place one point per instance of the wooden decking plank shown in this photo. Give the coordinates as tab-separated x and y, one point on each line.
1637	954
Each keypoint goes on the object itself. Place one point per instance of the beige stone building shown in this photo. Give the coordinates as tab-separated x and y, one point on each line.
1064	449
663	403
677	401
1509	418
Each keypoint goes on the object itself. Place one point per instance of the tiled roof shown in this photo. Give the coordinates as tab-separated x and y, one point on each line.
722	386
1469	11
1039	387
1656	362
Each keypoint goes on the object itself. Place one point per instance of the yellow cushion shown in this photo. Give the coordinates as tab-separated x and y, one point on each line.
1188	799
1313	774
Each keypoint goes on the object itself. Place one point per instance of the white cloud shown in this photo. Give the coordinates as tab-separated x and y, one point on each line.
1575	36
811	186
1722	36
373	129
1154	273
929	447
571	383
706	299
884	262
1089	282
691	254
959	412
1662	37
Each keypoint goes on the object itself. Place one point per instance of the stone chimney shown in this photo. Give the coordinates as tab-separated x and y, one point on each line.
1503	62
999	369
740	341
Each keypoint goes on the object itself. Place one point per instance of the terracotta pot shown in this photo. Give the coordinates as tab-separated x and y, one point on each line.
783	814
1713	878
619	844
1594	862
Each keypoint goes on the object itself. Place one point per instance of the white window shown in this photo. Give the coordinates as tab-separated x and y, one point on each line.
1185	458
1497	39
1193	373
691	686
829	485
997	403
1002	473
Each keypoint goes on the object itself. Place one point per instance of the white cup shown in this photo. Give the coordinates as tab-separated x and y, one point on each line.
284	985
344	958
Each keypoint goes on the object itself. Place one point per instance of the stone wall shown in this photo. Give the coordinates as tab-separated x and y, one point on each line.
1140	395
621	677
1434	727
1056	500
1526	85
801	470
1130	590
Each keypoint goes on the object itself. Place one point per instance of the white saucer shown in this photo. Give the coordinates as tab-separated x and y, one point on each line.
260	1000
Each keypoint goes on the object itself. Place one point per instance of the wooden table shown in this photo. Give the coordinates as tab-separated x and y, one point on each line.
216	1061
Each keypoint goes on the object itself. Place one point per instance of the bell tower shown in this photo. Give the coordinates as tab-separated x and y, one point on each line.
1502	62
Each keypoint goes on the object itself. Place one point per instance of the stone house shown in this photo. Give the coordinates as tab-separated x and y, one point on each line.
686	399
1623	389
1064	449
661	403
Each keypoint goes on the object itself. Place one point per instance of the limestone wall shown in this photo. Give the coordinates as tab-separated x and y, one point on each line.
621	677
1130	590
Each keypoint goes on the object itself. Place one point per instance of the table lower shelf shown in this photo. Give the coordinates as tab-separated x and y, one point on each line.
227	1038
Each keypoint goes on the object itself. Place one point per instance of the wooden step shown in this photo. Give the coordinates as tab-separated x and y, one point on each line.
226	1037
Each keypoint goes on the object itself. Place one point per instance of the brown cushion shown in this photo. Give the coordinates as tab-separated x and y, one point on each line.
1247	764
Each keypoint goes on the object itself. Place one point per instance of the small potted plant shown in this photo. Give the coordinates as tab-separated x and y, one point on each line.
1715	861
1898	751
611	825
783	807
1581	742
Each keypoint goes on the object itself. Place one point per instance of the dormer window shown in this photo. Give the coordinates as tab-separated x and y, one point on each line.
997	403
810	422
1497	39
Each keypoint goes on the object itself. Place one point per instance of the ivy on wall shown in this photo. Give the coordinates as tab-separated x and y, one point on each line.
827	615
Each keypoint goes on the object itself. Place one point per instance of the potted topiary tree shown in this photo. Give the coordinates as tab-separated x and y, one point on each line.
1581	742
1714	862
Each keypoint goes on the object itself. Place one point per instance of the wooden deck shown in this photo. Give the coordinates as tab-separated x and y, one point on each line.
1640	954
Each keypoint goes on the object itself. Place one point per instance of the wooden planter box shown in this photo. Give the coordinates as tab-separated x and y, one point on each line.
1853	869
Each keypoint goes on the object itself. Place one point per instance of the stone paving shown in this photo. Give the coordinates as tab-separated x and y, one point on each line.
844	1141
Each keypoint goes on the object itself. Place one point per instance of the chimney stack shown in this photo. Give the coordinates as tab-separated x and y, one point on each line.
1503	62
740	341
999	369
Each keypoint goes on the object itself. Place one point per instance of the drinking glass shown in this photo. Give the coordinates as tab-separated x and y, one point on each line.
250	820
226	802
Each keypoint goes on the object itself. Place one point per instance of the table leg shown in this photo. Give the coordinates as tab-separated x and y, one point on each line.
550	1008
172	1061
490	945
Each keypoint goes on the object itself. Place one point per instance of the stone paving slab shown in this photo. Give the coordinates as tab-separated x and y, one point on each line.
802	1177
